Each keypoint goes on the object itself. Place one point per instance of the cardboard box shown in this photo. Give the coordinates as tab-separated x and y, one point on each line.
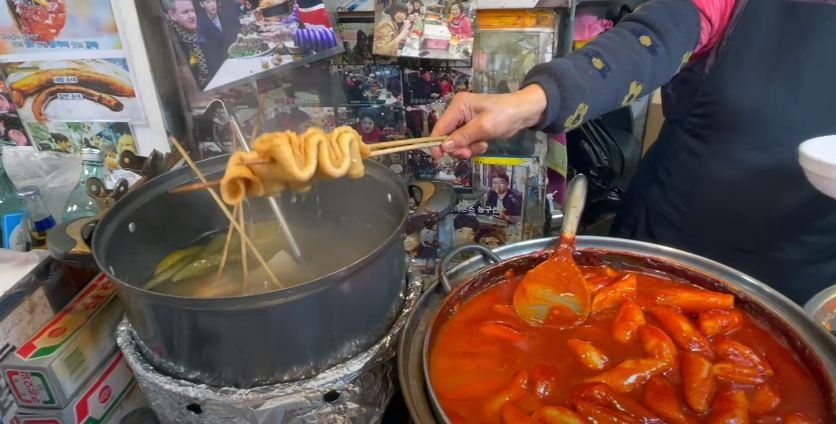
107	398
47	370
21	322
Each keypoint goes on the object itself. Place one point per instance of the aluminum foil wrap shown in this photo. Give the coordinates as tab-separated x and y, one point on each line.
356	391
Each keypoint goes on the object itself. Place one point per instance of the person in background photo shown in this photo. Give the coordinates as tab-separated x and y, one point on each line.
507	202
425	89
414	12
491	237
464	229
458	23
367	127
6	104
17	136
62	143
218	23
445	86
183	19
392	30
429	239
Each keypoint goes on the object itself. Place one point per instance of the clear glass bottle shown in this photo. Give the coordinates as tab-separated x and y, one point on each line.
40	219
80	204
9	202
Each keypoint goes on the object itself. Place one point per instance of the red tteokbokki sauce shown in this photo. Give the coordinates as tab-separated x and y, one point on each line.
654	350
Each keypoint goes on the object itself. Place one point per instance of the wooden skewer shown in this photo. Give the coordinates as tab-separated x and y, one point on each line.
194	187
407	142
225	255
404	148
244	251
232	220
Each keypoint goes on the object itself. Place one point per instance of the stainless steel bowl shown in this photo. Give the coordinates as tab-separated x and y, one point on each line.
814	346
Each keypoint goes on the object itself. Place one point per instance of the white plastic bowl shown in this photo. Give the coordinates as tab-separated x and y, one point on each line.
818	158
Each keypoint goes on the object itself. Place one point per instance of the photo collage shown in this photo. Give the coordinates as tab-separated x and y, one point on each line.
429	29
227	42
87	98
499	197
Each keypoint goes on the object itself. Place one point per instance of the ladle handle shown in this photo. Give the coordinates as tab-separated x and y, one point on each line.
573	208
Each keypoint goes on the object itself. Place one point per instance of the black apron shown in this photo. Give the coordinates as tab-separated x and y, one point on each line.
723	180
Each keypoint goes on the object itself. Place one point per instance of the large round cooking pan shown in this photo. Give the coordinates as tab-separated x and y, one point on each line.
810	342
277	336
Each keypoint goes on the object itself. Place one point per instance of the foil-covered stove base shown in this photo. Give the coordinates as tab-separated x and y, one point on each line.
356	391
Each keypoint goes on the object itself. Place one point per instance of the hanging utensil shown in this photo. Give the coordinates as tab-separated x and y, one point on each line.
555	292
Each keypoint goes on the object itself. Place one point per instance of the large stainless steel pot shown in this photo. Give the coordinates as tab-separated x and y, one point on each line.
273	337
815	347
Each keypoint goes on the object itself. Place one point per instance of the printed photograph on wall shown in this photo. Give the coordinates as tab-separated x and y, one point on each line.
375	124
308	86
434	85
29	26
78	90
299	119
427	29
112	138
367	85
355	5
12	131
226	41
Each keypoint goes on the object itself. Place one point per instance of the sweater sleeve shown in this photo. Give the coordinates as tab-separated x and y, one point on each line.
643	52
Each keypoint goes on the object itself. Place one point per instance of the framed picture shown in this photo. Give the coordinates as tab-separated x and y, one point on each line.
425	29
368	85
226	42
434	85
28	26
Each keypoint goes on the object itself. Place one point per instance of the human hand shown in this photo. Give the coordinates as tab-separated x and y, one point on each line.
473	119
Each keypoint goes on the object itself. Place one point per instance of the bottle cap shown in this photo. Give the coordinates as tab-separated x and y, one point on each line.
92	155
28	191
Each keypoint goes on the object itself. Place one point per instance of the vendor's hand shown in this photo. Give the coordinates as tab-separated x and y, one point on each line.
473	119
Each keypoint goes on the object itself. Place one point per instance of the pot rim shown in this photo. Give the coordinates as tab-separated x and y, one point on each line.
183	175
741	285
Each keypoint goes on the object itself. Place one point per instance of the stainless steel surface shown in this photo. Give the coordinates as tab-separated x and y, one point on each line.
274	205
277	336
446	285
555	217
822	307
809	340
575	201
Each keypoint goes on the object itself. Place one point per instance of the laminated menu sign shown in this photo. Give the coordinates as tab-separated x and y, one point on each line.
47	370
30	26
428	31
78	90
225	43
